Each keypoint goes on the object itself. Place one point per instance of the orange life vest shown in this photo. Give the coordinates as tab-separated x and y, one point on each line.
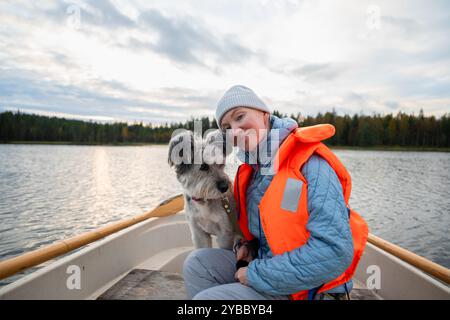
283	229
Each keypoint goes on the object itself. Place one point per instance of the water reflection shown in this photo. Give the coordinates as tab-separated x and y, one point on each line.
100	173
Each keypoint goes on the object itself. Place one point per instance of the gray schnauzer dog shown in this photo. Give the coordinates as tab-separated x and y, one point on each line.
209	203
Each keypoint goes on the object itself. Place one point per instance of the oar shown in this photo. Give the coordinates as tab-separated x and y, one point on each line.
38	256
427	266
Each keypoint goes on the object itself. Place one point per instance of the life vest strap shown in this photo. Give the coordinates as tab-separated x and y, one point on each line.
313	292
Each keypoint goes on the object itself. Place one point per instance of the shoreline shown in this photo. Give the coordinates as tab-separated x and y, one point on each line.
391	148
124	144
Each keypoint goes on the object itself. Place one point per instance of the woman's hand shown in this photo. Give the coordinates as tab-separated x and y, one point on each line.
241	275
244	254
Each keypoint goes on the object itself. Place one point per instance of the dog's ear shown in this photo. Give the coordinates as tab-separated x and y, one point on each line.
217	140
181	148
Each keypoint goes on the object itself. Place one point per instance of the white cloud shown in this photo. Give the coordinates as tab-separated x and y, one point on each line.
174	59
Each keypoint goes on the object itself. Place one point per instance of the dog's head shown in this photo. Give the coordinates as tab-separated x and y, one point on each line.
199	164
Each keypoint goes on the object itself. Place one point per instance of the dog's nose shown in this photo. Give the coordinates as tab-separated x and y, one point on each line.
222	186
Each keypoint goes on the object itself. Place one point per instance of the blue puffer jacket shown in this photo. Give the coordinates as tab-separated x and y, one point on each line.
329	249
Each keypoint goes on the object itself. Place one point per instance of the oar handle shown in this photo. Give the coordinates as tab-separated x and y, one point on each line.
30	259
425	265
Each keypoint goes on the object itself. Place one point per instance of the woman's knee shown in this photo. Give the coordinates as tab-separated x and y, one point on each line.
195	261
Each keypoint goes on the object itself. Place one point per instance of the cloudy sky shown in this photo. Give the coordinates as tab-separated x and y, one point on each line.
157	61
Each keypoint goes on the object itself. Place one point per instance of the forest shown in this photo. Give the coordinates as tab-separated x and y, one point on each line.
404	130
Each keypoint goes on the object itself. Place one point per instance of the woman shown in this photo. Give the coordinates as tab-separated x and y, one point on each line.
292	196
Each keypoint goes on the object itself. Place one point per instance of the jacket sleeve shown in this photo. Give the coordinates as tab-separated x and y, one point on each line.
329	249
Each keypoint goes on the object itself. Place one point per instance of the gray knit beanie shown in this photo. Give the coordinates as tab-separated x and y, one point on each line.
238	96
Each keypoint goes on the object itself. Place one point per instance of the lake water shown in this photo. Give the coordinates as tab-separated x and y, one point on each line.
51	192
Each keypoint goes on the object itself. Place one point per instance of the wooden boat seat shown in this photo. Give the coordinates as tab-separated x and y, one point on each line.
141	284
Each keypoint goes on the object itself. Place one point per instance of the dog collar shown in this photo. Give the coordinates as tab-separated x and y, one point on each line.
225	203
197	199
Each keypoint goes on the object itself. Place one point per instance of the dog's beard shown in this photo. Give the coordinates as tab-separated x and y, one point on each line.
204	190
206	193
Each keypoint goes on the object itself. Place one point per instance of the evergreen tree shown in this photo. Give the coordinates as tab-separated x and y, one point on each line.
356	130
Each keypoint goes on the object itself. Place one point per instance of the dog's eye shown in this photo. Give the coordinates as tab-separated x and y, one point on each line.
204	167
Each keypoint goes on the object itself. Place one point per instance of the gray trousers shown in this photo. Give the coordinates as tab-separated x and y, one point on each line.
209	275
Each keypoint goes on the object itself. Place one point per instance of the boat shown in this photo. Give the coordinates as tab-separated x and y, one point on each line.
142	258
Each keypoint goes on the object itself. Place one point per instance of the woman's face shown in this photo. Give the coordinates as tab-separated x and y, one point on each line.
246	126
